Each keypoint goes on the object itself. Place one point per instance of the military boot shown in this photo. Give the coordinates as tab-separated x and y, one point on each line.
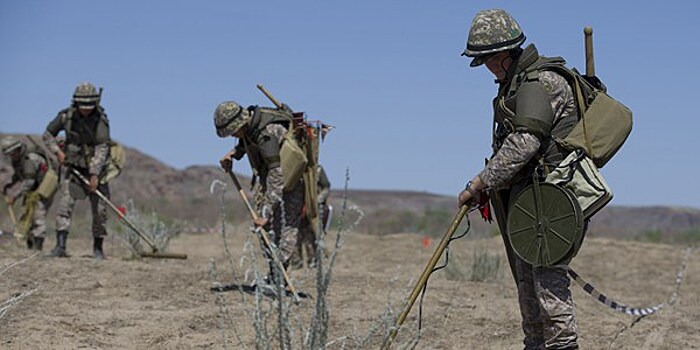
38	243
59	251
97	251
30	243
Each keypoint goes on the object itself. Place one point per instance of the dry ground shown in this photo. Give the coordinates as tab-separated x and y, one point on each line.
139	304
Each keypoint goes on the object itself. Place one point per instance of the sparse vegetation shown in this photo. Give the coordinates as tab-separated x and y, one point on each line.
486	266
691	236
687	237
159	229
433	222
652	236
288	330
457	269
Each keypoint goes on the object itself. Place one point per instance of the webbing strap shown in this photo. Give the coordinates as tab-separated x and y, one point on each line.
575	81
582	112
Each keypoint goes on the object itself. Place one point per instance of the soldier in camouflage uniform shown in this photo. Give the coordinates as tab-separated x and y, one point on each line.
86	149
30	169
532	107
307	238
260	132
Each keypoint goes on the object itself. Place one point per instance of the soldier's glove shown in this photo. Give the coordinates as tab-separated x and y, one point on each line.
226	164
226	161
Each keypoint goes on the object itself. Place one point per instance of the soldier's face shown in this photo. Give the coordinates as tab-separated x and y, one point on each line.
498	65
240	132
85	110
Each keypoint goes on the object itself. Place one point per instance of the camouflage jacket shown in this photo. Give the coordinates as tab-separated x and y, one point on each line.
87	138
29	172
261	143
524	122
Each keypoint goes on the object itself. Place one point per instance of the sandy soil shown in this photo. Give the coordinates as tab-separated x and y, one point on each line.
139	304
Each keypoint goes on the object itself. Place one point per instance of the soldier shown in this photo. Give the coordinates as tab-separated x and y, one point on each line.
86	150
531	108
307	238
35	180
260	132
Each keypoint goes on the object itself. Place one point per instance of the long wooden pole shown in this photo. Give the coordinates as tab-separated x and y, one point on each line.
263	234
155	253
425	275
590	62
275	101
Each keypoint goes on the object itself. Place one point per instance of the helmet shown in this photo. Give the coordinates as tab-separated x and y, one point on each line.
10	145
492	31
86	95
229	117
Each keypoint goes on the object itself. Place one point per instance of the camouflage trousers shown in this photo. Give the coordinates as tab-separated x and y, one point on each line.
70	191
283	227
546	306
306	242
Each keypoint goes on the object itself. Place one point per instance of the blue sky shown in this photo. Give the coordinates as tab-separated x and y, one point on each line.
409	112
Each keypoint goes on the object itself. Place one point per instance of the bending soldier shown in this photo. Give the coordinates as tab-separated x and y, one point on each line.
86	150
35	180
532	107
260	132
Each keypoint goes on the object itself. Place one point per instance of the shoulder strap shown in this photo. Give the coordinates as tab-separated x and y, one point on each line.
67	119
103	115
579	87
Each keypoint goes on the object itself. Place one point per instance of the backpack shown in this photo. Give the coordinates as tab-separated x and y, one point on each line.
293	160
115	162
604	123
49	183
603	127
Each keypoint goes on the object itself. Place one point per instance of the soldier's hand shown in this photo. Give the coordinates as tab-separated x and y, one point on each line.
260	222
61	156
227	162
465	197
10	200
93	183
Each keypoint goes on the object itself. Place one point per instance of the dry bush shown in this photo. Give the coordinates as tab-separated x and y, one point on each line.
486	266
158	229
276	321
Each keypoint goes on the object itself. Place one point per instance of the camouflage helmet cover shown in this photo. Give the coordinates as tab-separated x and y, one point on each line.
229	117
10	144
492	31
86	94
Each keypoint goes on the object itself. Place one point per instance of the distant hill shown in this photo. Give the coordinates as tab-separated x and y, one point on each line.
184	194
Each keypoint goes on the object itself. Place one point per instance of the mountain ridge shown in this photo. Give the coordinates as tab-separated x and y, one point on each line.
185	194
